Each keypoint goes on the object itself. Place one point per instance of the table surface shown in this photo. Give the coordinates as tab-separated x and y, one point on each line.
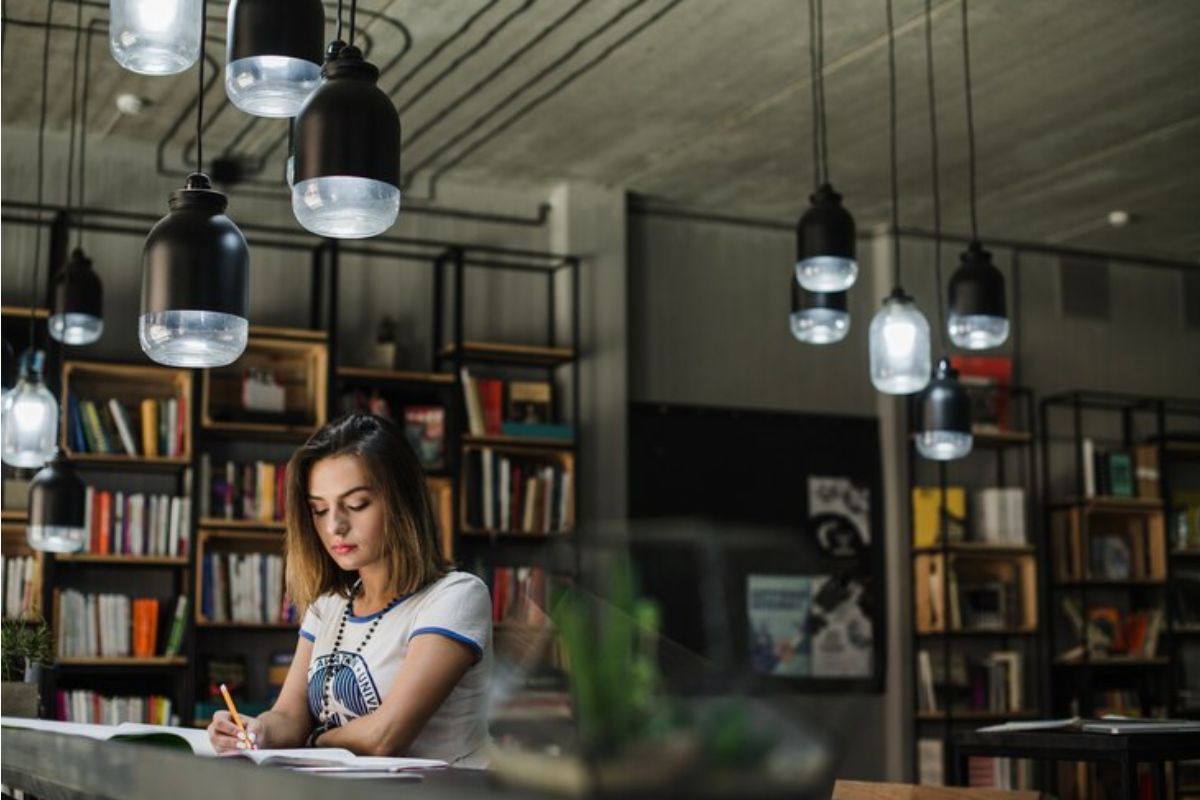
57	767
1080	744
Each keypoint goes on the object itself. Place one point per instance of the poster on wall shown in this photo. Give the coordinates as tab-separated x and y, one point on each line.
842	636
839	512
778	610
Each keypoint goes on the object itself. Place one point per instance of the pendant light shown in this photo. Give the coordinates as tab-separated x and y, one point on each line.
274	54
899	335
978	316
30	412
943	409
78	314
347	149
818	317
155	37
195	274
825	245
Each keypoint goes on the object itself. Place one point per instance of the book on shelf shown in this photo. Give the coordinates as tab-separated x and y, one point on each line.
516	494
244	588
20	586
83	705
931	762
995	772
178	626
519	595
1146	470
1119	473
197	741
105	625
243	490
560	431
928	519
108	426
993	682
425	428
120	523
1110	632
999	516
987	380
493	403
926	693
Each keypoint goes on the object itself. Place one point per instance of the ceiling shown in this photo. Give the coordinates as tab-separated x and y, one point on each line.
1082	107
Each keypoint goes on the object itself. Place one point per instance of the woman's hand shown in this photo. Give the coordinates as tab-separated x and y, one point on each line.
226	737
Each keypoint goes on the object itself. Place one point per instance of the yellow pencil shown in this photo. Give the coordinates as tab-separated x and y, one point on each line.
237	720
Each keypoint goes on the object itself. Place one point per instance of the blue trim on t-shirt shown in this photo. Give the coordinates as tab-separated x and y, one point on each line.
307	635
380	612
449	634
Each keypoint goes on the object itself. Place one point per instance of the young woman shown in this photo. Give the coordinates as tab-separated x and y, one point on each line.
395	651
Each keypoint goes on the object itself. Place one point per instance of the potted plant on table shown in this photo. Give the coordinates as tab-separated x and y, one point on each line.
25	646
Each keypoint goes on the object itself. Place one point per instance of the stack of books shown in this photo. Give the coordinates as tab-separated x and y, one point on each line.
512	408
244	588
157	429
512	494
246	491
82	705
19	585
136	524
113	625
999	515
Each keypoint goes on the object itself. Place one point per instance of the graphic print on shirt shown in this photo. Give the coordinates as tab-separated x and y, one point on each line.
353	693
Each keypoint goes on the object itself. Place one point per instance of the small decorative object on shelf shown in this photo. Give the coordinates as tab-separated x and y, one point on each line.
25	647
262	391
383	356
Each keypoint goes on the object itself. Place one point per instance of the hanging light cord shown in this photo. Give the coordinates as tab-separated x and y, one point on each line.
338	34
816	108
41	148
966	43
937	195
353	16
821	89
892	128
83	116
74	108
200	93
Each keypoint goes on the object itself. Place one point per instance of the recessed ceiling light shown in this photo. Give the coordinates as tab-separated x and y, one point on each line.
1119	219
130	104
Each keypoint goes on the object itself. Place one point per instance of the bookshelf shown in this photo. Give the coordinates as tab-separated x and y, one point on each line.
1118	488
977	601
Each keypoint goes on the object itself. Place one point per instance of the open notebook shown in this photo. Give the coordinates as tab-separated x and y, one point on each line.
196	740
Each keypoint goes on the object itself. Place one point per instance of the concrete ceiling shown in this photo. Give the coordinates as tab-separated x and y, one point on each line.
1081	106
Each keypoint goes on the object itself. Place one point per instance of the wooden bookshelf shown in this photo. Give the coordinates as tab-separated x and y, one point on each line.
991	438
979	549
299	363
370	374
215	523
929	570
980	633
23	311
14	517
122	560
131	462
129	384
526	443
517	354
975	716
1074	534
1107	662
122	661
1111	505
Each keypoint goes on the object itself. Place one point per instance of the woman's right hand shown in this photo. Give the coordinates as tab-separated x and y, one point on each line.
226	738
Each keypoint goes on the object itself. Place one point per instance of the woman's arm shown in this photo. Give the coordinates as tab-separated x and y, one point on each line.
287	724
432	668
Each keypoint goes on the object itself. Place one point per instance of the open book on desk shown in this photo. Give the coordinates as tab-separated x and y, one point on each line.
1110	724
196	741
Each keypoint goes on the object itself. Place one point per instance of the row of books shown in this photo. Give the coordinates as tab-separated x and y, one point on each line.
244	588
1111	632
497	407
424	425
998	515
20	586
137	524
513	494
1107	547
82	705
98	426
1120	473
982	595
114	625
519	595
231	490
982	771
993	683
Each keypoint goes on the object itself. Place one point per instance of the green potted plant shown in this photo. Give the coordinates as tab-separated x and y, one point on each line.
25	646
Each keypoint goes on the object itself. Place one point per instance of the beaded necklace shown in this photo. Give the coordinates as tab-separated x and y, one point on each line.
331	671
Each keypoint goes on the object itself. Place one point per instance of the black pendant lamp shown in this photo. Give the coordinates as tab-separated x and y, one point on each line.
818	317
77	317
943	424
195	275
978	315
825	245
346	175
274	54
57	507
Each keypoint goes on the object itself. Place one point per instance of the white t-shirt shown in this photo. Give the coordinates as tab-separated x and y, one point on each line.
459	607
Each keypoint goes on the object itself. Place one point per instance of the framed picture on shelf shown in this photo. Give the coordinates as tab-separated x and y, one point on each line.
530	402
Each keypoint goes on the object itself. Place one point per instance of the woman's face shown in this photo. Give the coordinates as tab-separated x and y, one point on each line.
346	512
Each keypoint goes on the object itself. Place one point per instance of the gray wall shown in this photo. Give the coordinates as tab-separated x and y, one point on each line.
708	307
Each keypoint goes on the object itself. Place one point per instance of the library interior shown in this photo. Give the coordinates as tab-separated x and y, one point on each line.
600	398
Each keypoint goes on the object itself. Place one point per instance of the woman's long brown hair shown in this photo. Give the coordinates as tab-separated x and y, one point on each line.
410	541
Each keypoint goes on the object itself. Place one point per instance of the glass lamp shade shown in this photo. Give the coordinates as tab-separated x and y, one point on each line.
944	417
274	54
195	282
346	172
899	346
818	318
78	316
154	37
30	419
977	316
57	505
825	246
